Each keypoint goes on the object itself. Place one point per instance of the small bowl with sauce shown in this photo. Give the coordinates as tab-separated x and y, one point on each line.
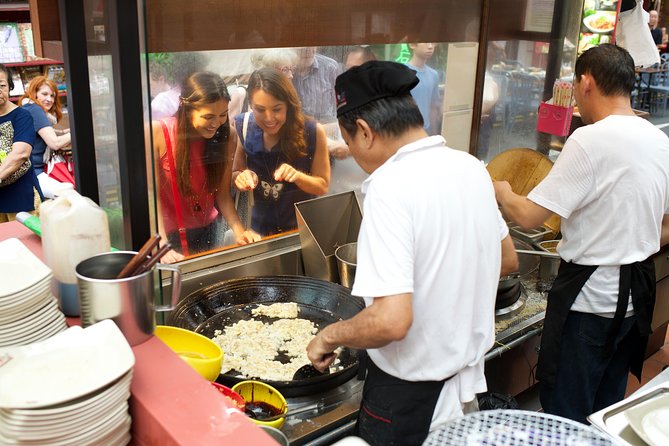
233	397
262	401
200	352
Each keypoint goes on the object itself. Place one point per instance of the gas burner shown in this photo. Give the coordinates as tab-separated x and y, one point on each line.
510	302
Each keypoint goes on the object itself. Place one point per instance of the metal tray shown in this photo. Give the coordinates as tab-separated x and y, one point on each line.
613	421
533	235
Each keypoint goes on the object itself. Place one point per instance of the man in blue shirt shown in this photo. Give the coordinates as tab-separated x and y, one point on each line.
426	93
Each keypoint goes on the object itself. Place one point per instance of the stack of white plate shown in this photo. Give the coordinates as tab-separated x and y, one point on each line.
71	389
29	311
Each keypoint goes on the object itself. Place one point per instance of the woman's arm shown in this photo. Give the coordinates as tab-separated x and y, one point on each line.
242	178
52	140
224	197
20	154
318	182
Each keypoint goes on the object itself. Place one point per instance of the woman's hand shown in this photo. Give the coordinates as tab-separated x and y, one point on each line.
248	236
246	180
286	173
172	256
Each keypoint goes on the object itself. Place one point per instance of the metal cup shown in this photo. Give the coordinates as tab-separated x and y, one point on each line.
129	302
346	262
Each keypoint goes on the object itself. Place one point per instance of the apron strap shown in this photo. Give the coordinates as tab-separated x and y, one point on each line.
175	190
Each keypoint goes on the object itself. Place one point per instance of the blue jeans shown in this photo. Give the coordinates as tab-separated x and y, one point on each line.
586	379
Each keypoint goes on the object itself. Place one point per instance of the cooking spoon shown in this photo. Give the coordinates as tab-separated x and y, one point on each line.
309	371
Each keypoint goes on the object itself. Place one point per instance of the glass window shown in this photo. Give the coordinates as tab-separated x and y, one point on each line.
270	69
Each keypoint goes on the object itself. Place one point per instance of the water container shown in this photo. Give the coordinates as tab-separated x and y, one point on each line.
74	228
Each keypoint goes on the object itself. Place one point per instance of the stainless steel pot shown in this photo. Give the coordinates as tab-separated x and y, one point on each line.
528	264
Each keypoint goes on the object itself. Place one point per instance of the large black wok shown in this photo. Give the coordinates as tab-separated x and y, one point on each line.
223	304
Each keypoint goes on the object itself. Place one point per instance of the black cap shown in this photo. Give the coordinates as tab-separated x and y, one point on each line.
370	81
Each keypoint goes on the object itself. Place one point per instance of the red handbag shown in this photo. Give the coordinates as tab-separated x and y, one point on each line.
61	168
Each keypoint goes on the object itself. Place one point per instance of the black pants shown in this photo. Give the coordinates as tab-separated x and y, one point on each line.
587	379
394	411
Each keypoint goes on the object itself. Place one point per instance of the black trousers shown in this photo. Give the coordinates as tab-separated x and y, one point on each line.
394	411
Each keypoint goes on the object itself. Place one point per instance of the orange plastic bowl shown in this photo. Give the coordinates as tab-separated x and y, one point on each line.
231	395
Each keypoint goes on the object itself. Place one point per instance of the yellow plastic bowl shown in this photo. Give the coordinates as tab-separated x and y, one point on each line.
256	391
200	352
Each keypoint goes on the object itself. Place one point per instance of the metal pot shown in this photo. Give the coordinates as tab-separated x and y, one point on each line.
225	303
347	260
549	263
528	264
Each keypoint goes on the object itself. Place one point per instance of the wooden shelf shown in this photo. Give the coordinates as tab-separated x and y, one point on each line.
36	62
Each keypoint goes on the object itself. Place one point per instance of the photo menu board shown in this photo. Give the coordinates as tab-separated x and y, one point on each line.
598	23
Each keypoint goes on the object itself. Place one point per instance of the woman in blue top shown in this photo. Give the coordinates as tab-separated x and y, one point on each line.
16	130
42	101
281	155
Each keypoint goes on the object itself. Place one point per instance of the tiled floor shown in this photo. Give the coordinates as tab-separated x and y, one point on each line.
651	367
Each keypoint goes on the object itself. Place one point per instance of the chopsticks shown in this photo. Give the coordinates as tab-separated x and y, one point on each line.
143	261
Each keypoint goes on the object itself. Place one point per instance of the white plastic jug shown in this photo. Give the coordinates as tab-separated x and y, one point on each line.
74	228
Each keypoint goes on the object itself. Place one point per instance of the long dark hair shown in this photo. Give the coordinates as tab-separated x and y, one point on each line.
198	90
291	136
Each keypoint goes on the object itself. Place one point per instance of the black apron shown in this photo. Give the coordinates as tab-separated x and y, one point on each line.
639	277
394	411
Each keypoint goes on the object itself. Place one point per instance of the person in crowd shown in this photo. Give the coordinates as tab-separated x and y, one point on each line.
181	65
659	34
19	189
358	55
426	93
195	150
158	78
42	101
282	59
314	81
281	154
612	174
415	269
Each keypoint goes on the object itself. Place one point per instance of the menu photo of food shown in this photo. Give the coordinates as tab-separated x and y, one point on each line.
598	23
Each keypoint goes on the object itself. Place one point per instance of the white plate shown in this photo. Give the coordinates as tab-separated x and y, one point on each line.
19	267
64	367
25	308
650	420
37	288
55	323
601	22
30	320
73	407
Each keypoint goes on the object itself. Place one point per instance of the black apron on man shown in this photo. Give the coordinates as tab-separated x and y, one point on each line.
638	277
394	411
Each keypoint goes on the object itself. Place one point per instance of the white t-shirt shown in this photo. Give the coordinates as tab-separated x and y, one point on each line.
610	185
431	227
